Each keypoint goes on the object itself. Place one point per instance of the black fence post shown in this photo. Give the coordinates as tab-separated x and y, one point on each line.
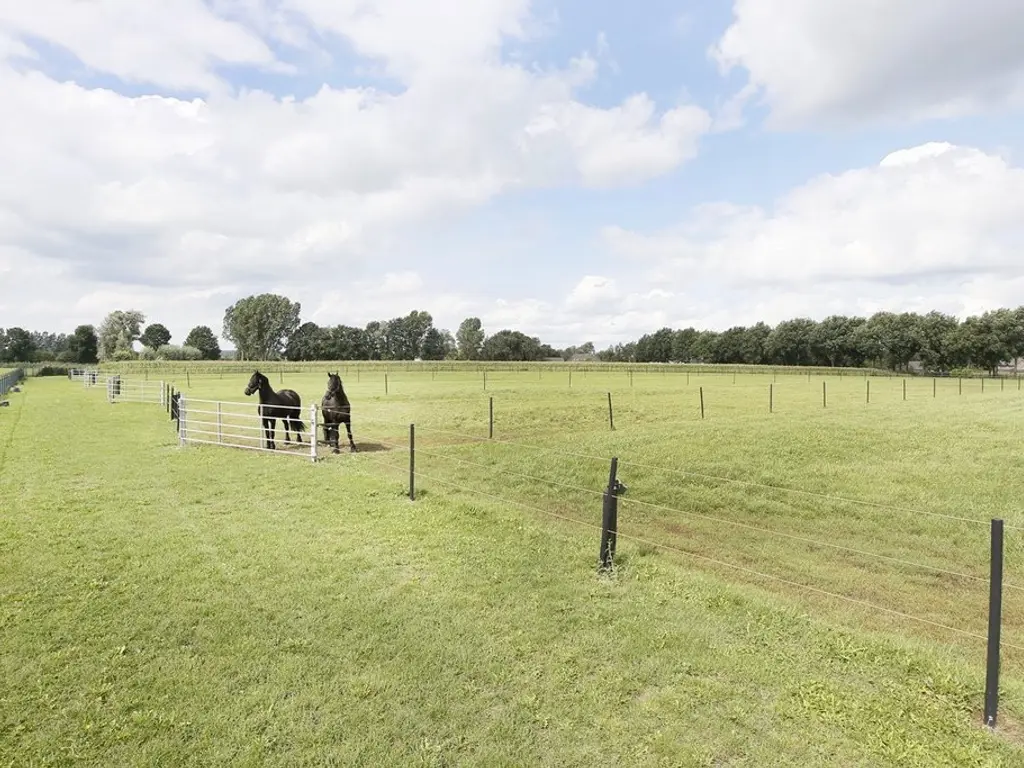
188	379
960	386
771	398
702	402
485	381
824	397
490	418
385	382
611	416
609	518
412	462
933	386
904	389
868	388
995	611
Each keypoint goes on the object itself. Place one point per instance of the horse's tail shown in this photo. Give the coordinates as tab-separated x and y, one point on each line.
298	425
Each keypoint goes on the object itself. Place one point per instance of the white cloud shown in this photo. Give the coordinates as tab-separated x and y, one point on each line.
935	226
157	201
173	44
846	61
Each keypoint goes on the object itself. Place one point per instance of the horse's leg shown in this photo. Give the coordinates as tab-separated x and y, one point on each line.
271	427
348	428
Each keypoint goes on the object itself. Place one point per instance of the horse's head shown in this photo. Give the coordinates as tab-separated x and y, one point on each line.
256	381
333	384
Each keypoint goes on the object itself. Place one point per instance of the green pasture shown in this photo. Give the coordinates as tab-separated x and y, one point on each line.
205	606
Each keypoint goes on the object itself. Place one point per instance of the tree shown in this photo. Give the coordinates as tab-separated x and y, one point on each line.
375	337
892	339
202	338
682	345
437	345
470	338
309	342
119	330
790	342
19	346
83	345
655	347
936	334
346	342
511	345
833	342
261	325
155	336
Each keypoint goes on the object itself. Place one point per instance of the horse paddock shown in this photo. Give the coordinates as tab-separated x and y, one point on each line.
197	606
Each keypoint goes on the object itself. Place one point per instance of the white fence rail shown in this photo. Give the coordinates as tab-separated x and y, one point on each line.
88	376
240	425
121	390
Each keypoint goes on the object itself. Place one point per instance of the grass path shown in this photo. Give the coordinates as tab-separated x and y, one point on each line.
211	607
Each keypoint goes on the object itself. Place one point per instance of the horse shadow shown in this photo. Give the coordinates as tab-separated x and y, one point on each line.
372	447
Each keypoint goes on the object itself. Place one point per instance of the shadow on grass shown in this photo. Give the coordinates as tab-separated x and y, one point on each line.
361	447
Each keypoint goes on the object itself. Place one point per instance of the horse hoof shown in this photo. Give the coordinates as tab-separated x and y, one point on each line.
335	451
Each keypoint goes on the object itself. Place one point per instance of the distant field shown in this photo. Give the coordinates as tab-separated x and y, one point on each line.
205	604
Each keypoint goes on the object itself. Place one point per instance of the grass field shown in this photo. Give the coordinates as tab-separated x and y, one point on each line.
201	605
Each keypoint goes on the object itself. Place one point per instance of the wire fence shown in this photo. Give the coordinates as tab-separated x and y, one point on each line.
921	584
10	380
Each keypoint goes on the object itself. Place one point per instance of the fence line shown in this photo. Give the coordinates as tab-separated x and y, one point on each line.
10	380
229	428
711	518
679	550
121	390
781	488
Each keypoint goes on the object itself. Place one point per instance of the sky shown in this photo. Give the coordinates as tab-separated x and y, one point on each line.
580	170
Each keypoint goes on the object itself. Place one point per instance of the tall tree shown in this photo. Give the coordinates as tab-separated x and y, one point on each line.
155	336
203	338
19	346
437	345
511	345
790	341
309	342
346	342
376	340
119	330
261	325
655	347
470	338
83	345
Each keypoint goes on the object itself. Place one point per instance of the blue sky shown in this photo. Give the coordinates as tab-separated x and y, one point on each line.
580	171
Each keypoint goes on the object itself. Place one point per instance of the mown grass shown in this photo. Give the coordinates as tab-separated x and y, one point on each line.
205	606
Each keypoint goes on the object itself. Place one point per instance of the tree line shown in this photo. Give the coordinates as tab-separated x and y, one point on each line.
269	327
938	341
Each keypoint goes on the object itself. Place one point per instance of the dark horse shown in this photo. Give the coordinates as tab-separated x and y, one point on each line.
336	410
284	405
